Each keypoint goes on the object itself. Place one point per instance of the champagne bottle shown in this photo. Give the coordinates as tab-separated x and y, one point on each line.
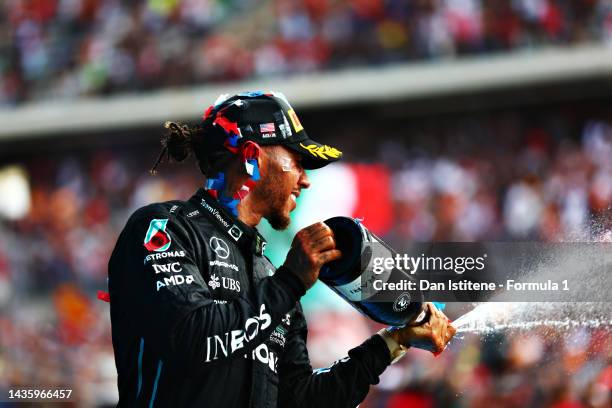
352	276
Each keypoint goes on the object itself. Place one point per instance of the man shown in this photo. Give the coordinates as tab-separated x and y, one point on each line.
199	316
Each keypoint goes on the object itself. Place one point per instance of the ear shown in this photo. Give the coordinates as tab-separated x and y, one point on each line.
250	150
261	160
250	153
263	157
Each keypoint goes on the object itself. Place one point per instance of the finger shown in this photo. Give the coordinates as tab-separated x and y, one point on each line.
312	229
440	344
441	317
438	312
324	244
452	330
439	325
330	255
311	234
329	228
322	232
304	235
439	329
432	308
449	335
442	314
441	336
446	321
434	315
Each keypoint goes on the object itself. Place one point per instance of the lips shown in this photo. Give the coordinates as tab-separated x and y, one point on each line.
293	199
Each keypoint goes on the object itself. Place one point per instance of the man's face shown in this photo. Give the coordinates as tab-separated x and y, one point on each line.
283	178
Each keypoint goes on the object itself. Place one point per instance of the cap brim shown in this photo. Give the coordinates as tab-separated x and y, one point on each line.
315	155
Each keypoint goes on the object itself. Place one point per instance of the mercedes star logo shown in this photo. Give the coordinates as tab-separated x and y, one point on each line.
219	247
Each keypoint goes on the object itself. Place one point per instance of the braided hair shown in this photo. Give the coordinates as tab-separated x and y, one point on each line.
205	142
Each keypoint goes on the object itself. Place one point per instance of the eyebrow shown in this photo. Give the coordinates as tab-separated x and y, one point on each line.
298	157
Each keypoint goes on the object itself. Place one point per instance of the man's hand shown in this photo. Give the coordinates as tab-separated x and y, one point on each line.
433	335
311	248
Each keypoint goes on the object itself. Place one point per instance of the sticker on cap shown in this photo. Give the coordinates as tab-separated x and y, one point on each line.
266	127
267	130
285	128
322	151
295	121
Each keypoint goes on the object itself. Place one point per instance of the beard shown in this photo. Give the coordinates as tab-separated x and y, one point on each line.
276	202
278	221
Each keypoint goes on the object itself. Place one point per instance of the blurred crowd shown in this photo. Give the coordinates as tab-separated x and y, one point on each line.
536	368
546	187
493	179
54	49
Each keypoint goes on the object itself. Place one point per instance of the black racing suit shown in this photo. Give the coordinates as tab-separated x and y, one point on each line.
200	318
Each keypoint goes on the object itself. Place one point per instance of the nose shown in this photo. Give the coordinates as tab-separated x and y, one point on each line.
303	182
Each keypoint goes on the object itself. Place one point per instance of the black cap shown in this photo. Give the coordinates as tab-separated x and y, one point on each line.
267	118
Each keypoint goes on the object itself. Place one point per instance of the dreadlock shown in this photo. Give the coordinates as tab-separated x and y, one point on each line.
205	142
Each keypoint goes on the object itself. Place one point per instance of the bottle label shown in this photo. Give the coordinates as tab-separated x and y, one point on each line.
357	290
351	291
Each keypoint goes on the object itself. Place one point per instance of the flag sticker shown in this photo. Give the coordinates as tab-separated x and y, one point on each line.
157	239
266	127
295	121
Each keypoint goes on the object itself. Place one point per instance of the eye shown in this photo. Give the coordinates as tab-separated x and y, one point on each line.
298	162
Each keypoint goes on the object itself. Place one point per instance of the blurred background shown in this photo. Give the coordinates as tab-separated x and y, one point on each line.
460	120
